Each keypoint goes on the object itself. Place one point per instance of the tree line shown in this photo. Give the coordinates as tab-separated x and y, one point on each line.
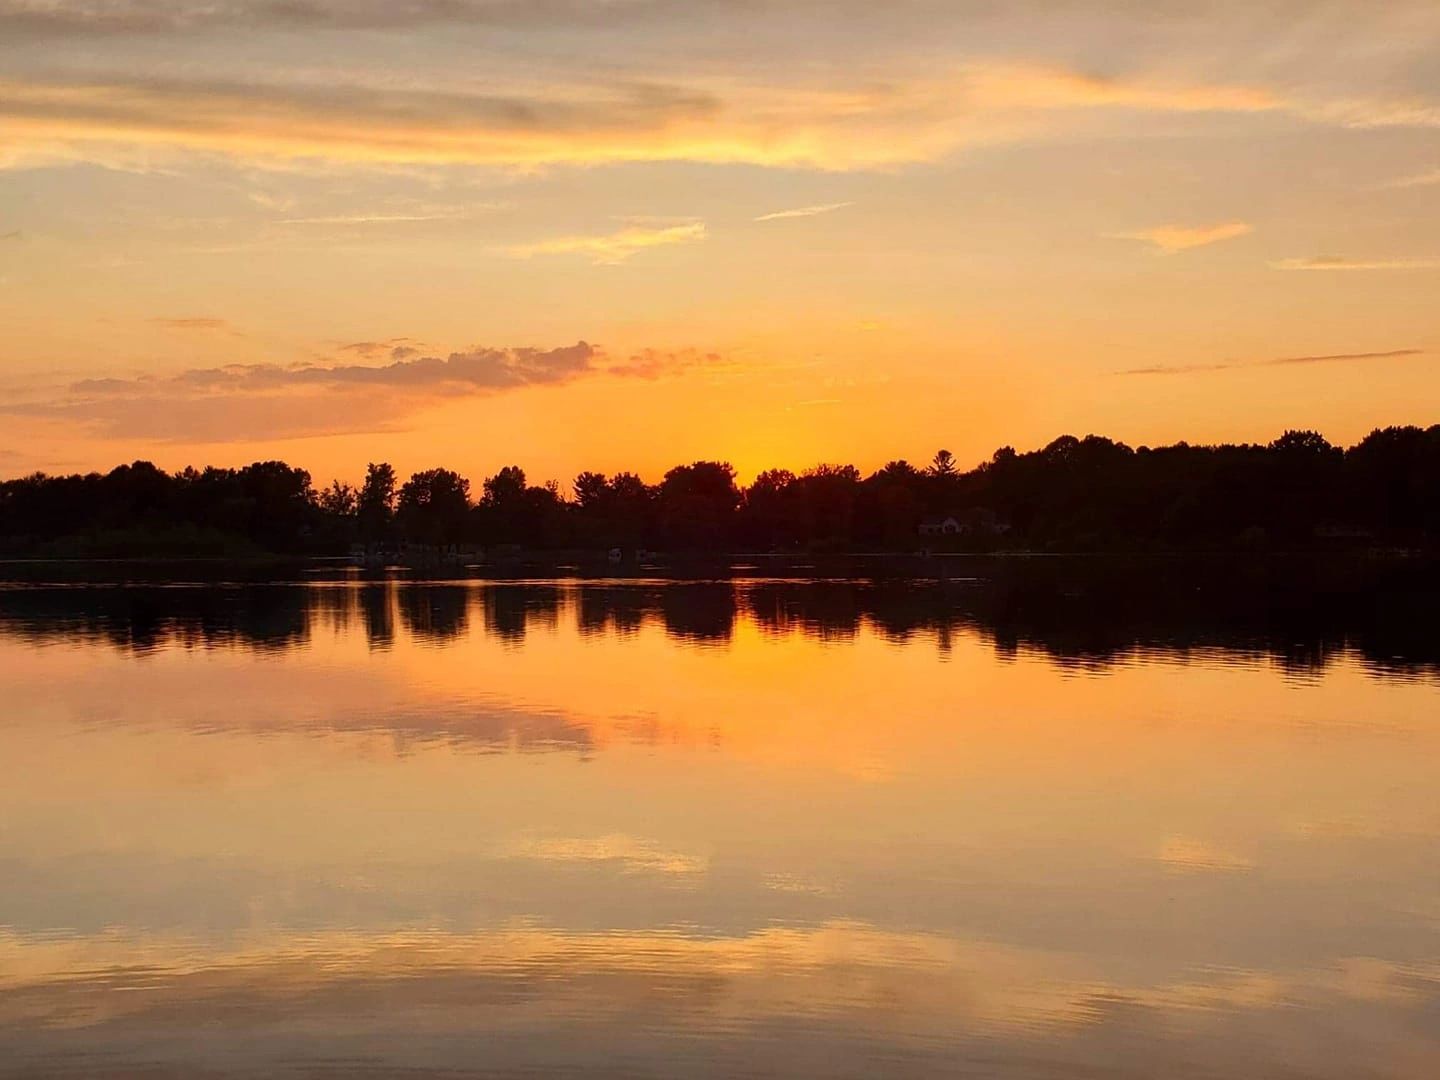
1075	494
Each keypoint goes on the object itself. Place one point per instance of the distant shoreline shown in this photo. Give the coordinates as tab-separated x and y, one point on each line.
1074	495
680	566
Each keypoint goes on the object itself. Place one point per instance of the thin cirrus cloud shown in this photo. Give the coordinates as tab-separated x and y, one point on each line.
1338	262
200	323
1170	239
906	82
652	364
402	348
112	18
249	402
804	211
406	216
1424	179
612	249
831	126
1279	361
366	219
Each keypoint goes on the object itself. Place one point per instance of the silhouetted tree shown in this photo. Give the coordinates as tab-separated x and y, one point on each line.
339	499
514	512
769	516
697	503
375	504
434	506
590	490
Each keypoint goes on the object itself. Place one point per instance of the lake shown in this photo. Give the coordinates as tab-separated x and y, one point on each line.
652	828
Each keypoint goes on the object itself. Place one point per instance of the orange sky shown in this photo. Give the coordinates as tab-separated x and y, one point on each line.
784	232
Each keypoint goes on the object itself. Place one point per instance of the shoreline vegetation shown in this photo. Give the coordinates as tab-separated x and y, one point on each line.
1297	494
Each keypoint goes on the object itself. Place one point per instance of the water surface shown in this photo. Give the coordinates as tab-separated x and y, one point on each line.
709	829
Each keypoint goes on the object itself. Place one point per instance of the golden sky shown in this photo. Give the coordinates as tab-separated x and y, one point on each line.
626	233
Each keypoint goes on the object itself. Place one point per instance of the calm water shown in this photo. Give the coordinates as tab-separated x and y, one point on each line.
710	830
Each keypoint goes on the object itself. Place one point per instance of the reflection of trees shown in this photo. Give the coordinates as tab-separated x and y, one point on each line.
379	617
144	618
698	612
1298	614
825	610
509	609
331	609
435	612
602	609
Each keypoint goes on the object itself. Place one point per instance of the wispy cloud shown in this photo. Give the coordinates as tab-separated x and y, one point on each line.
393	348
804	211
366	219
572	121
398	216
13	235
192	324
480	368
843	85
1033	87
1338	262
1424	179
1280	361
653	364
611	249
1172	238
257	402
72	18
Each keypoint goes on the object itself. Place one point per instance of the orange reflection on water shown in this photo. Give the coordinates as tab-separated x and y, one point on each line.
448	819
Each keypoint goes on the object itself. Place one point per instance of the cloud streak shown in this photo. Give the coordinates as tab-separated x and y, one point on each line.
126	18
804	211
401	348
192	324
263	402
1281	361
784	83
481	368
1338	262
1424	179
1170	239
651	364
611	249
574	121
367	219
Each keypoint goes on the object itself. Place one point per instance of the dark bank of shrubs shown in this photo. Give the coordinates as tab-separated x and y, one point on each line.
1089	494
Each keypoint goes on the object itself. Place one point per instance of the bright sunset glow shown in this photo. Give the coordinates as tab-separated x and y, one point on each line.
624	235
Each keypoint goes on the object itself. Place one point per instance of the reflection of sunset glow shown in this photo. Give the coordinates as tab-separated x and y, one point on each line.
430	812
633	853
907	989
1188	855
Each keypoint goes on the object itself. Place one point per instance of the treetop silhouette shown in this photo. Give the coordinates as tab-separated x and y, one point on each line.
1074	494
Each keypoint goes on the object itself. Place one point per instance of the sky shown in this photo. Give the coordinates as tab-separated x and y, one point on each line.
623	234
